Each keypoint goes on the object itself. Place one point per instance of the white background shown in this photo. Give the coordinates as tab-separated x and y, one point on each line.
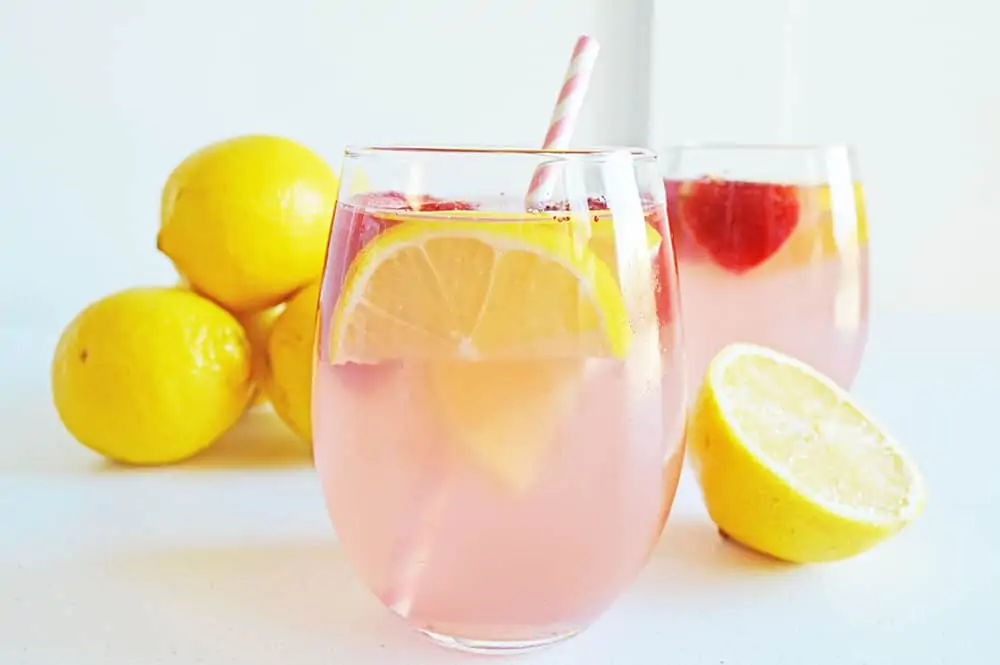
100	99
915	86
231	559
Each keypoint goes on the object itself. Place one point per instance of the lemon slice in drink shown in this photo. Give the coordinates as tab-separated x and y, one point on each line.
603	236
791	466
478	291
501	318
604	241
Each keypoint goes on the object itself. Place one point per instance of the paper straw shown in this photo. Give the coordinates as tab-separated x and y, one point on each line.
415	549
566	113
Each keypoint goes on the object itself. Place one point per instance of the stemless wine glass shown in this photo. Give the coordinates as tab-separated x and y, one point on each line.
772	248
498	404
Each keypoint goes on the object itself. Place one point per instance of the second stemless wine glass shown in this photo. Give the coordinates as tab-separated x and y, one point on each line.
772	248
498	407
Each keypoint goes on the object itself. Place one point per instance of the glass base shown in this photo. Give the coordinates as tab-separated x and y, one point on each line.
496	647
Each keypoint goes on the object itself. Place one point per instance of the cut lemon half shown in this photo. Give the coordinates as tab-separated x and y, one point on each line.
500	318
478	291
791	466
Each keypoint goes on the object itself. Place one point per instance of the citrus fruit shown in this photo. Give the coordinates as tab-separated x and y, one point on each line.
603	234
604	241
500	317
757	225
288	377
791	466
505	415
474	291
246	220
603	237
151	375
258	326
827	227
845	212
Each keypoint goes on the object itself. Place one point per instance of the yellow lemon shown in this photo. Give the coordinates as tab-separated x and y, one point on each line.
246	220
500	317
288	381
258	326
605	239
468	291
151	375
602	236
832	223
791	466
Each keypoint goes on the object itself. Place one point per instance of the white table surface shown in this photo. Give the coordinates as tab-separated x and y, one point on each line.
230	558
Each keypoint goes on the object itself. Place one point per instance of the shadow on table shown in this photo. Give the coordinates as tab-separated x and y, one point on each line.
259	440
305	595
696	543
695	564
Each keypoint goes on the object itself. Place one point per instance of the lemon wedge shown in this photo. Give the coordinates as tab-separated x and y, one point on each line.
602	233
791	466
604	240
478	291
500	317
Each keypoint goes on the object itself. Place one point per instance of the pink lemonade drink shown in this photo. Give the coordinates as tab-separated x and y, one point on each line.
780	262
498	404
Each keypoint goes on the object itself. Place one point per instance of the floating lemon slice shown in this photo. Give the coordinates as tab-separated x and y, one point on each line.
603	243
827	228
602	240
478	291
501	317
791	466
504	416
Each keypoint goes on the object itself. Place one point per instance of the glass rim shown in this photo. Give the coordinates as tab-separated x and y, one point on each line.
758	147
596	154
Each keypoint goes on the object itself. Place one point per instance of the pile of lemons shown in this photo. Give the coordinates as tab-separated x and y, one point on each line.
154	375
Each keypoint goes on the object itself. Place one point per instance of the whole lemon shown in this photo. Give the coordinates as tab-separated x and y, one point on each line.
290	361
151	375
258	327
245	220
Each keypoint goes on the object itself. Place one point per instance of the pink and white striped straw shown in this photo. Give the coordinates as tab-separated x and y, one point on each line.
565	114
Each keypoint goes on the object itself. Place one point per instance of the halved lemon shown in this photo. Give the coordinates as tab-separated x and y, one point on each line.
791	466
500	318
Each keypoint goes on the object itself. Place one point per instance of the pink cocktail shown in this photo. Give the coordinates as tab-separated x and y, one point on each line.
498	404
772	248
